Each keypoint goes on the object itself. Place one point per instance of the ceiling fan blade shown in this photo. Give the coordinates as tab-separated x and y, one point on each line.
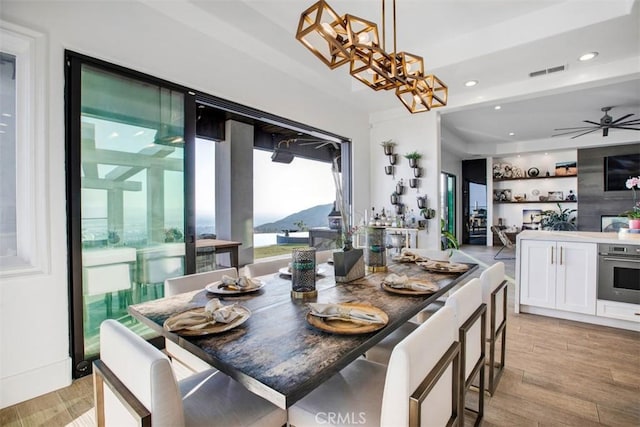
576	128
605	131
621	118
624	127
567	133
629	122
584	133
593	123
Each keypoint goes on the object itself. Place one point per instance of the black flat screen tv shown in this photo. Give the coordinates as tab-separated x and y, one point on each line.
617	169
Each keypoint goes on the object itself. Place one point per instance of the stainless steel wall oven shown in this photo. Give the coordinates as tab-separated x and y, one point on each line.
619	273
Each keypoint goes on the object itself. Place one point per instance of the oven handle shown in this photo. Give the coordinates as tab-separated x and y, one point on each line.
634	260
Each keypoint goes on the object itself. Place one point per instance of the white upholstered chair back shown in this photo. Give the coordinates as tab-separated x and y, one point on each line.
145	371
465	301
491	279
267	267
193	282
411	361
324	256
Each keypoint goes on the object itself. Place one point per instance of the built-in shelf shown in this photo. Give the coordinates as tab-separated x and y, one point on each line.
534	177
536	201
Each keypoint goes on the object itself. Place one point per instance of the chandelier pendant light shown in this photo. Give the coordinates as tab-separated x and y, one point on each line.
336	40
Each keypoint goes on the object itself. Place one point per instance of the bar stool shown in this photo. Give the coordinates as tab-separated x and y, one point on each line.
493	284
470	314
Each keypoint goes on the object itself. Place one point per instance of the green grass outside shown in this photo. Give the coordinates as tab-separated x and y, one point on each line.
275	250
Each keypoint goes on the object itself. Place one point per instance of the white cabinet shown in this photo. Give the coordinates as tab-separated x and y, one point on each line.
619	310
558	275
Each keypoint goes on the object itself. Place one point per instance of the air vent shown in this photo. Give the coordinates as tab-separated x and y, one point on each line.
547	71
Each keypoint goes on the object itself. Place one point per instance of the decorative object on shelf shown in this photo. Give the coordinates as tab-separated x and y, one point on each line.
533	172
562	219
517	172
543	198
531	219
422	202
547	173
611	223
634	213
508	171
388	170
417	172
413	182
571	197
393	159
399	209
303	273
606	123
502	195
400	187
535	192
566	169
336	40
497	171
555	196
520	197
413	158
388	146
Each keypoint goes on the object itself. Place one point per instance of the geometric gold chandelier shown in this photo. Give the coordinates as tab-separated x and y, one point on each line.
340	39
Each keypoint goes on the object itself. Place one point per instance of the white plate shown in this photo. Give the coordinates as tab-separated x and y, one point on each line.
285	271
214	288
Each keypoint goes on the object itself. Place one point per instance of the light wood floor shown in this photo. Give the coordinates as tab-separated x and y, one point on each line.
558	373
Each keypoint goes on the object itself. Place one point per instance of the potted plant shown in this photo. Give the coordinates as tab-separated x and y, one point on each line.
634	213
448	240
400	187
388	146
422	202
413	158
561	219
428	213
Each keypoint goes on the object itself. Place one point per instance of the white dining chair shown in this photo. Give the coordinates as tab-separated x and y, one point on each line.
185	362
142	389
470	314
494	295
419	387
266	267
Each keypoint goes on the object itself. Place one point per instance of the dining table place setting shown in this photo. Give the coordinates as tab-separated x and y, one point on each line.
214	317
403	285
443	266
346	318
408	256
234	285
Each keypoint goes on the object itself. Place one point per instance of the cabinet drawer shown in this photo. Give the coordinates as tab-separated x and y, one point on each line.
618	310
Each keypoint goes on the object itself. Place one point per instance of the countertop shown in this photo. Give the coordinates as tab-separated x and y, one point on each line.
580	236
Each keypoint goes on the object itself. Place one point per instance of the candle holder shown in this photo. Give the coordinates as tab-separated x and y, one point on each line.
375	257
303	273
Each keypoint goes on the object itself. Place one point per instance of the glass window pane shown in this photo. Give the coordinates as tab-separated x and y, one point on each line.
8	235
132	196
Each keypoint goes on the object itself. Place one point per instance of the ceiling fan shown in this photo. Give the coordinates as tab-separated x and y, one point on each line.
606	123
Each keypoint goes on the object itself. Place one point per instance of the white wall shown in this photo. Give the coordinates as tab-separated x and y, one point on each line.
412	132
34	355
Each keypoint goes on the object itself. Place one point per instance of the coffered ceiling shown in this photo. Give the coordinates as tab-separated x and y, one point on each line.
496	42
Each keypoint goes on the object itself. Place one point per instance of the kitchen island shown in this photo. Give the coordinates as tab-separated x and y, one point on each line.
561	274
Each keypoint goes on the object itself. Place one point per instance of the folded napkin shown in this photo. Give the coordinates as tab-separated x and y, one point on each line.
346	313
214	312
238	284
397	281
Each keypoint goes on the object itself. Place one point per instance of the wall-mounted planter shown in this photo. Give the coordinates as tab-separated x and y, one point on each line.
413	183
394	199
422	202
388	170
413	163
393	158
417	172
400	188
399	209
388	146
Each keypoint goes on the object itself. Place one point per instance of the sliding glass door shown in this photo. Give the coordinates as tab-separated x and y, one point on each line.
126	186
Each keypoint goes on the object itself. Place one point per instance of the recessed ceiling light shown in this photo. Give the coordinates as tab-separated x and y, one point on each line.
588	56
497	107
511	133
470	83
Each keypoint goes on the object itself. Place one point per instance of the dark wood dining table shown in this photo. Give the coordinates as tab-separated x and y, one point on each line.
276	353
